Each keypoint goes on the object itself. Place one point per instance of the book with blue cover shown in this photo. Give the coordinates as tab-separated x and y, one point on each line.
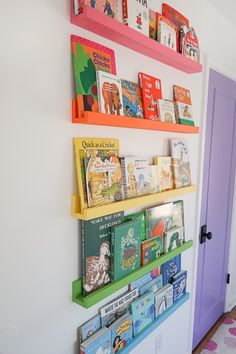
170	269
145	279
143	312
121	333
154	285
179	285
100	342
89	328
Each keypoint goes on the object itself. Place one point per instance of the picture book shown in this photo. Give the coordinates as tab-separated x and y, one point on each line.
132	99
121	333
154	178
117	308
154	285
96	250
88	57
86	148
189	45
152	24
170	269
179	285
126	240
100	342
150	250
166	32
103	180
107	7
180	162
142	217
178	215
163	299
136	176
143	312
165	172
183	105
151	91
89	328
136	15
109	93
166	111
137	284
173	239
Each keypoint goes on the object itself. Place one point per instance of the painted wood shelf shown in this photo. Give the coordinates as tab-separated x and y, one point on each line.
108	290
104	26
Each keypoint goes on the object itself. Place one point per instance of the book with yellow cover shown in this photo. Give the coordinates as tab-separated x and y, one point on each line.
165	172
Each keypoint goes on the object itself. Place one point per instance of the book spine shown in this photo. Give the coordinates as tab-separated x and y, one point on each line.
79	177
83	255
125	12
112	254
125	186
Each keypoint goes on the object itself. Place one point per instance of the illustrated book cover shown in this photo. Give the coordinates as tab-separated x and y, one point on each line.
166	111
137	284
100	342
121	333
179	285
173	239
143	312
154	178
132	99
151	91
96	250
89	328
178	215
136	15
163	299
170	269
142	217
165	172
154	285
180	162
152	24
183	105
126	240
106	7
166	32
150	250
189	45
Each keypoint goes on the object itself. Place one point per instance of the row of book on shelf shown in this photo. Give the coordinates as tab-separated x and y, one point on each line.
105	177
99	88
118	322
171	28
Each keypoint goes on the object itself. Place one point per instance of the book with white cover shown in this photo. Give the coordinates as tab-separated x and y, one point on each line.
136	15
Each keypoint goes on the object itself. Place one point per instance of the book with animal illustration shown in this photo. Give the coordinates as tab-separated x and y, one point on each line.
117	308
166	32
151	91
137	284
179	285
150	250
96	251
163	299
154	178
121	333
189	45
154	285
142	217
109	93
183	105
152	24
173	238
100	342
170	268
143	312
180	162
178	215
136	15
126	240
166	111
91	147
88	57
136	176
132	99
89	328
165	172
103	180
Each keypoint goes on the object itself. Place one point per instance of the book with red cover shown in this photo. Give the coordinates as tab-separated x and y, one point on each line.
151	92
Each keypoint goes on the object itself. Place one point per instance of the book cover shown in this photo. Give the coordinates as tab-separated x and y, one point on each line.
163	299
143	312
88	57
89	328
178	215
165	172
154	285
179	285
151	91
103	180
107	7
100	342
86	148
152	24
150	250
166	111
136	15
117	308
154	178
126	240
173	239
189	45
137	284
166	32
183	104
180	162
132	100
121	333
109	93
96	251
136	176
142	217
170	269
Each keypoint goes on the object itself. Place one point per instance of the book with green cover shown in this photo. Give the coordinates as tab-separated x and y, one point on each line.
142	217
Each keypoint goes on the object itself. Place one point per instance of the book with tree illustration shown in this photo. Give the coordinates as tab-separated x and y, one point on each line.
181	162
183	105
151	92
132	100
88	57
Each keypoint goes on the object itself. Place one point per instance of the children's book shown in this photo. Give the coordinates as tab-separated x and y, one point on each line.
178	215
181	162
152	24
179	285
183	105
166	111
142	217
154	285
86	148
163	299
89	328
121	333
132	99
166	32
100	342
107	7
165	172
126	240
189	45
151	92
109	93
150	250
117	308
96	251
137	284
154	178
88	57
143	312
103	180
136	176
136	15
170	269
173	239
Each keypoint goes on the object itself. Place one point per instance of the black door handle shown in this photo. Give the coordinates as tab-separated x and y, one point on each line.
204	234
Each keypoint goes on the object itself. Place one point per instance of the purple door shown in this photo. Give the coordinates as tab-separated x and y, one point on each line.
217	200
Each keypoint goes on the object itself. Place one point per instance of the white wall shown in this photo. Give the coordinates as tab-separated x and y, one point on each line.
39	253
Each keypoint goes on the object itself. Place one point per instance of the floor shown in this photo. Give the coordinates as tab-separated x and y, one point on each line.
213	330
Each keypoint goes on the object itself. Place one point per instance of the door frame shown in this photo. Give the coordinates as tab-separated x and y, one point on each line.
209	64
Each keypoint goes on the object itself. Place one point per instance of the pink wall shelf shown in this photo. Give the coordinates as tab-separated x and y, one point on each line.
104	26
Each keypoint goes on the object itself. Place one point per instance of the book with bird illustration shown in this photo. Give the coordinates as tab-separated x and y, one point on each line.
151	92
